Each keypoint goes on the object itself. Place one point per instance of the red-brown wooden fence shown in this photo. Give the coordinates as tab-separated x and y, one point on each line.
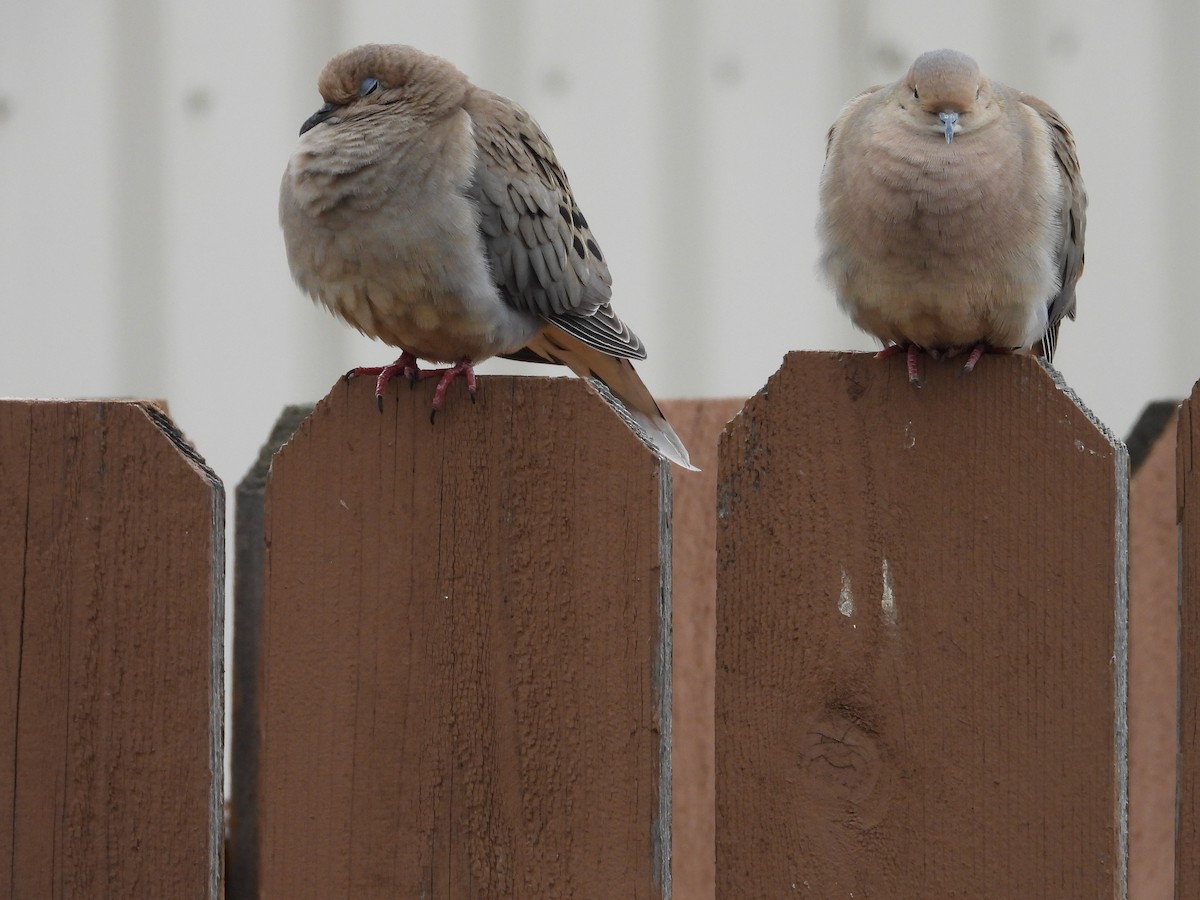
111	634
920	637
463	664
451	652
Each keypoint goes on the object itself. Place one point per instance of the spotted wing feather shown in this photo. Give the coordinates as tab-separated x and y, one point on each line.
542	253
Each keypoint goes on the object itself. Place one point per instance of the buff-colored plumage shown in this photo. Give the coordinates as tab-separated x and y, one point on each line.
953	212
432	214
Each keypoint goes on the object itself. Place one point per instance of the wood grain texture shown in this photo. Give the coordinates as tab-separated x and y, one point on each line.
464	666
693	603
920	636
1153	659
111	587
1187	833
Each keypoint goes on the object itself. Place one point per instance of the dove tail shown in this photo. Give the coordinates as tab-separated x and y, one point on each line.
618	384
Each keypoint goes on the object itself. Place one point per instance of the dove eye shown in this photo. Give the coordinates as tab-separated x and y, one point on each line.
369	86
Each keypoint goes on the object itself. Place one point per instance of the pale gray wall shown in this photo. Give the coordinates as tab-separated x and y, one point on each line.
141	146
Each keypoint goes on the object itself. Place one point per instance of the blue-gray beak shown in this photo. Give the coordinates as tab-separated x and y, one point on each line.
324	113
948	120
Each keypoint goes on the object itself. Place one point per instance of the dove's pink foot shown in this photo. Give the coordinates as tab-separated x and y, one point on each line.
977	354
889	350
912	352
406	365
914	374
465	368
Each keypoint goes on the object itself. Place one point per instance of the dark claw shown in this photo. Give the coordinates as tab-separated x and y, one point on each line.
432	416
379	402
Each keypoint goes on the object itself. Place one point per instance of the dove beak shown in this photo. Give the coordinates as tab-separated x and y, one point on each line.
321	115
948	120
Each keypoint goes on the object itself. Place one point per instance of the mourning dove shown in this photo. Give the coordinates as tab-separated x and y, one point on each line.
952	214
432	215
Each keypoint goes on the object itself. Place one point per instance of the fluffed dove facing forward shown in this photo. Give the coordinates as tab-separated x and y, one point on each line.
952	214
432	214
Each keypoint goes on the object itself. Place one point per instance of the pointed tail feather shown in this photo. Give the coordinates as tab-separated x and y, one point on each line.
618	384
653	430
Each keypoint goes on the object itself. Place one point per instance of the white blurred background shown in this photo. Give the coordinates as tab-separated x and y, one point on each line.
142	143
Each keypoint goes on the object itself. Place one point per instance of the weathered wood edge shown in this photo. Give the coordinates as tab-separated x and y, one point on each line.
660	827
155	413
1121	623
1184	852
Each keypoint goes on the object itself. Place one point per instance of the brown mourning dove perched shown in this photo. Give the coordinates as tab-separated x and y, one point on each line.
432	214
952	214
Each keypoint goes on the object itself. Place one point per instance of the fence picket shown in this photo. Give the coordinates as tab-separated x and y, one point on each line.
111	611
920	636
693	599
464	658
249	568
1153	653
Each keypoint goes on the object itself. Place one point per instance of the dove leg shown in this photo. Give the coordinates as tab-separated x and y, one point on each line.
912	352
889	350
465	368
977	353
910	363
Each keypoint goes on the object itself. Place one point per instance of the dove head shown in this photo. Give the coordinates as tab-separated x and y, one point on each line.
944	93
377	78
